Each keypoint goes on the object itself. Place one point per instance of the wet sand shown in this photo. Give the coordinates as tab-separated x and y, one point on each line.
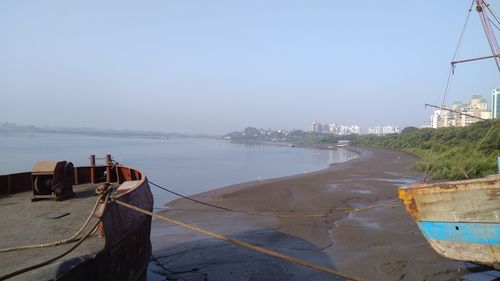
377	244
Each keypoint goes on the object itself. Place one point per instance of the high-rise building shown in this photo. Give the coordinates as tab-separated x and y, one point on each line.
315	127
473	111
495	103
436	117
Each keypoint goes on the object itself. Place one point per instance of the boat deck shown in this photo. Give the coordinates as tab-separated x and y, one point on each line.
24	223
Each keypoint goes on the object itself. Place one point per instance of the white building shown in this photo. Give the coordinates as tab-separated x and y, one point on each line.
384	130
333	128
315	127
473	111
495	103
390	130
375	130
435	117
355	129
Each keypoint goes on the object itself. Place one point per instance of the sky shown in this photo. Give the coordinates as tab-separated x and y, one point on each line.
218	66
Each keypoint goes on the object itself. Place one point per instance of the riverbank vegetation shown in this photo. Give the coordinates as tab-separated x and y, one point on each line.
446	153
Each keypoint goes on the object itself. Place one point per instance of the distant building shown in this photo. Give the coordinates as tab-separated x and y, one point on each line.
390	130
343	130
355	129
473	111
384	130
436	117
495	103
316	127
333	128
375	130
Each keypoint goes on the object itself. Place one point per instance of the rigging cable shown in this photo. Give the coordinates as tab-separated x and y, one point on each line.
345	211
240	243
492	13
493	24
457	50
247	245
486	135
189	198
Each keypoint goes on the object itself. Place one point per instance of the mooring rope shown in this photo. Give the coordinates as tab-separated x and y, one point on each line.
296	214
106	196
241	243
73	238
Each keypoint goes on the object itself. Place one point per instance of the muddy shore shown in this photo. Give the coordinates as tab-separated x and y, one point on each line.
381	243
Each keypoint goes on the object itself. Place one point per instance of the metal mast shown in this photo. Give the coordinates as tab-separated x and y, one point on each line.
482	8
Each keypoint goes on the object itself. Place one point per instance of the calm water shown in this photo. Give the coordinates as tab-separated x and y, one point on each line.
186	165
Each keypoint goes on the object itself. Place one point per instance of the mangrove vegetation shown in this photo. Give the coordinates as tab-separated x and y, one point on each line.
453	153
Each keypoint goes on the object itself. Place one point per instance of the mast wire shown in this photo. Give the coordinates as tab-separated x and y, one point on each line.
492	13
486	135
493	24
457	51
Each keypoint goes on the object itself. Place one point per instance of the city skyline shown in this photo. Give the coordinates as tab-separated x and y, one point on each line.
195	67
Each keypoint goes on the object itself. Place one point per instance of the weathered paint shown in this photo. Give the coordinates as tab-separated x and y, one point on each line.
472	252
462	201
459	219
480	233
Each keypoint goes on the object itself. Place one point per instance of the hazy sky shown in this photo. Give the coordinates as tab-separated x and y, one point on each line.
219	66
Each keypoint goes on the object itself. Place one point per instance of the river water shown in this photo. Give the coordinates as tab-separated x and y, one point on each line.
186	165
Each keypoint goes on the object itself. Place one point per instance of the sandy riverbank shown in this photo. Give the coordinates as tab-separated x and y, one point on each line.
378	244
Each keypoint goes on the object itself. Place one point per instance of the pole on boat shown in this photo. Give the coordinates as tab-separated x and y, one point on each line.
92	169
108	168
482	8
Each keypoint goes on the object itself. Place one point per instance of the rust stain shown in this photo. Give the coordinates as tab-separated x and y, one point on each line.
487	183
413	206
407	196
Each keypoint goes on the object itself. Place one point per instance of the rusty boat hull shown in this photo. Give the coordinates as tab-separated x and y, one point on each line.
123	253
460	219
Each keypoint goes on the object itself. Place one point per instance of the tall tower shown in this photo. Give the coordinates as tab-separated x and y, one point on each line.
495	102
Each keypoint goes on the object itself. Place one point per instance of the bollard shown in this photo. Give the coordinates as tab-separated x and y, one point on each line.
92	169
108	168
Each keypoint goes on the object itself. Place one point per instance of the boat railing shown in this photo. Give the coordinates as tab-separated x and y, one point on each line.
110	172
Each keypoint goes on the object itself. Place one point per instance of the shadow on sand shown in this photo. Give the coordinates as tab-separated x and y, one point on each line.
211	259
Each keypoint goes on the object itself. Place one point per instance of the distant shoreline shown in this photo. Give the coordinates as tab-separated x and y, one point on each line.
89	134
7	128
12	128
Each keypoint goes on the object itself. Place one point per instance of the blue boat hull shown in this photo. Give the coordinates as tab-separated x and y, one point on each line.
460	220
475	233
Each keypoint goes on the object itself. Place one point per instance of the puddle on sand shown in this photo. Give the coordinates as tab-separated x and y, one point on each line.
363	221
359	191
400	181
333	187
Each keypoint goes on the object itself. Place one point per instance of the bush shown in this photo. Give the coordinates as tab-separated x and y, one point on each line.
449	153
